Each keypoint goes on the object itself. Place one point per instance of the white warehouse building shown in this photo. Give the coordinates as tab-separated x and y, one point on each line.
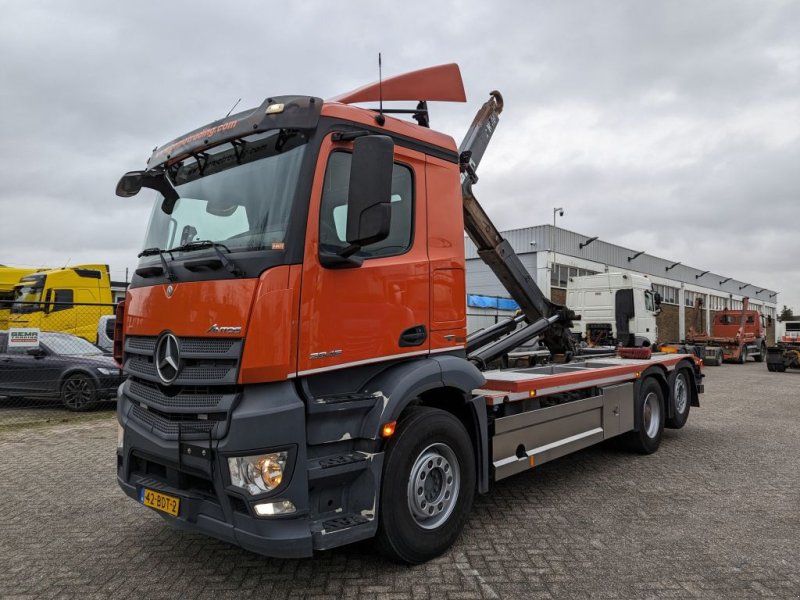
552	255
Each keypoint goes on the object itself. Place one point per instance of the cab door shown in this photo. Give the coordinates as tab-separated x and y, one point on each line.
379	310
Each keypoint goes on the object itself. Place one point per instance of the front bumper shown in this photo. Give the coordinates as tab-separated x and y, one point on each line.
268	417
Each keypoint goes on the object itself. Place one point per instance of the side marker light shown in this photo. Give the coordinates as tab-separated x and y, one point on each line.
387	430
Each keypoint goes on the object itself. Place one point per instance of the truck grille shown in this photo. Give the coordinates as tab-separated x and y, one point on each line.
169	427
198	401
193	397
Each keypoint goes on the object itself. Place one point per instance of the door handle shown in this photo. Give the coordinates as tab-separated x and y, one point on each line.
413	336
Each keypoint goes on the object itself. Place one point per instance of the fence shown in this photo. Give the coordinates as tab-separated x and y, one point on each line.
55	361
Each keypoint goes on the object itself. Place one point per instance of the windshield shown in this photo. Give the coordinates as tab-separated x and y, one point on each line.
240	196
69	345
28	295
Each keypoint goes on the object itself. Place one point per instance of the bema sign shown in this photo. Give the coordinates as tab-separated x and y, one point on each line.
23	338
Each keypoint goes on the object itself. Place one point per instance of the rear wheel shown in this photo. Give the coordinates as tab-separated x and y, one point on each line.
680	396
428	486
650	418
78	393
762	353
743	355
770	367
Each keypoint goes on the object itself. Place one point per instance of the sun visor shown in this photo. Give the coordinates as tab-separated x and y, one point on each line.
279	112
441	83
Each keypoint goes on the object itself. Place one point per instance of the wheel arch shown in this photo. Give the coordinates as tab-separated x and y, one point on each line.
445	383
77	370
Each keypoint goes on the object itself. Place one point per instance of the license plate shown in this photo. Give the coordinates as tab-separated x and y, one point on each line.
163	502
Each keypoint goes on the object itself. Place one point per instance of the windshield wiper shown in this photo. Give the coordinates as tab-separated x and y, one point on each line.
230	266
165	266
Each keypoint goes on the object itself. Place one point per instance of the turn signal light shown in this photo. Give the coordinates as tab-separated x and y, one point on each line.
388	429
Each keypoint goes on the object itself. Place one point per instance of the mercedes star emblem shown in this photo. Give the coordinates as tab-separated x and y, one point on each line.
168	358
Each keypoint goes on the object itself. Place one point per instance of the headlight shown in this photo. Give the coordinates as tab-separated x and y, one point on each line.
258	474
120	436
105	371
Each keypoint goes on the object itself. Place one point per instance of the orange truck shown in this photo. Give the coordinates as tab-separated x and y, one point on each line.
299	374
735	336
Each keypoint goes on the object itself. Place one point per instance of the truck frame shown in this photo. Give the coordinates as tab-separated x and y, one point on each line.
319	388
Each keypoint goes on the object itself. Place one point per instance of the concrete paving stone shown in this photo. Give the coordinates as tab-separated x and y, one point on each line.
714	514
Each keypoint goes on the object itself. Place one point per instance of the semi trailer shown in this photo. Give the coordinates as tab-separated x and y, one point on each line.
299	375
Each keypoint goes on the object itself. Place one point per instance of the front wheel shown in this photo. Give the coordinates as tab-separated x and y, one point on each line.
428	486
78	393
743	355
650	418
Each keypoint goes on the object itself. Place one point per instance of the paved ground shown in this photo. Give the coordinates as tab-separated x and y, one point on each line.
714	514
18	413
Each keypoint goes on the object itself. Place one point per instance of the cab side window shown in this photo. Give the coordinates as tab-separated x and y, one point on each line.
63	300
333	210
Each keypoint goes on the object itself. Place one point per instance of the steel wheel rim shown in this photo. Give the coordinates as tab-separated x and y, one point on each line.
652	414
77	392
681	393
433	486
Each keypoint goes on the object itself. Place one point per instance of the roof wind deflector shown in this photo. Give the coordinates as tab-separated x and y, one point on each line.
440	84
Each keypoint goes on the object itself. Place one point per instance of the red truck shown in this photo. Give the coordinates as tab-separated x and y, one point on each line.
735	336
299	374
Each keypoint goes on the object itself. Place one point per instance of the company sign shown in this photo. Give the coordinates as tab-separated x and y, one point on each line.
23	337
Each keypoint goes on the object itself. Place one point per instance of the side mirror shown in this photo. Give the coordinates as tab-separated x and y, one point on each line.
37	352
130	184
369	199
657	299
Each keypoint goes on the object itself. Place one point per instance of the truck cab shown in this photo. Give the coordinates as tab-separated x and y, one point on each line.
9	277
70	300
615	308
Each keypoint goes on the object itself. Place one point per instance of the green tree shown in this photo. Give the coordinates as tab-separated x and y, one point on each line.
786	313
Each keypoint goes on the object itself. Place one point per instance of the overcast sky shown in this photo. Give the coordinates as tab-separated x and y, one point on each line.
666	126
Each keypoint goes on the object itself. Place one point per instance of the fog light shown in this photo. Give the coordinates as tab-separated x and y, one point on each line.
120	436
280	507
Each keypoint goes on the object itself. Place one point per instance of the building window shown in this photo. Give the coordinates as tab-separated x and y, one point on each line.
560	274
669	294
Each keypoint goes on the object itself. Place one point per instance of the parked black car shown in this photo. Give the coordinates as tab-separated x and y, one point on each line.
63	366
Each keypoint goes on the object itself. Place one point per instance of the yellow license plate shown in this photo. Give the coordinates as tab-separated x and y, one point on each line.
163	502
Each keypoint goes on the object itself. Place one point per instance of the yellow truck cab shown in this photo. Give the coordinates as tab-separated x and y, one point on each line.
9	277
70	300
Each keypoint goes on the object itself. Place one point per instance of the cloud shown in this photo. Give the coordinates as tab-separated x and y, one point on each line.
667	126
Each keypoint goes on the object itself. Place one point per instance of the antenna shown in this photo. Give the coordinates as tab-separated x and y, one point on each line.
235	104
380	119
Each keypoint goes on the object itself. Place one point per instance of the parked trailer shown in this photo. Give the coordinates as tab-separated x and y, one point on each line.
303	379
786	353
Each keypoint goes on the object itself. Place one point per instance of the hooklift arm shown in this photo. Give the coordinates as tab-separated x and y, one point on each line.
545	318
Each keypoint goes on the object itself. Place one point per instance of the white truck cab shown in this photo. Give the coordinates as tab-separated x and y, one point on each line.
615	308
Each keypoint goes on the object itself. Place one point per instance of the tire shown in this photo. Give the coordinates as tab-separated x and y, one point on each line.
429	445
780	368
79	393
681	397
762	354
743	355
770	367
650	416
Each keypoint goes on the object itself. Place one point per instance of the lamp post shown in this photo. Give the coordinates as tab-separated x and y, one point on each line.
560	212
